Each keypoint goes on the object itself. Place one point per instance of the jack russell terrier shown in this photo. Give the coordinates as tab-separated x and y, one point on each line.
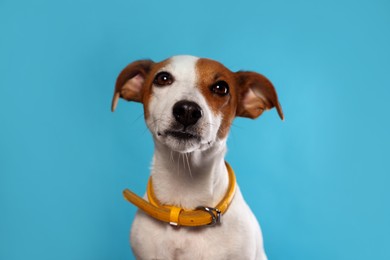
193	208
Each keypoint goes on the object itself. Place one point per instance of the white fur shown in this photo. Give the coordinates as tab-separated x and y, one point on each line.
191	174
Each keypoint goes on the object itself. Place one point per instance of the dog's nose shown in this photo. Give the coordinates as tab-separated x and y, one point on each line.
187	112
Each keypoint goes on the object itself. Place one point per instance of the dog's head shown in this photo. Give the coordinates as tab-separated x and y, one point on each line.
189	102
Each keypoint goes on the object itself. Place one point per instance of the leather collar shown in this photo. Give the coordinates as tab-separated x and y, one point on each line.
176	216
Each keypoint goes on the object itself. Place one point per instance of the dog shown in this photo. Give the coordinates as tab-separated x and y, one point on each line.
189	104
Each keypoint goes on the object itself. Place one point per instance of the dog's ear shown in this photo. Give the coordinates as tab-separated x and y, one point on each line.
130	81
256	94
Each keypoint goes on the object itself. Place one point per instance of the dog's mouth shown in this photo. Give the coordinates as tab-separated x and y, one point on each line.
183	140
182	135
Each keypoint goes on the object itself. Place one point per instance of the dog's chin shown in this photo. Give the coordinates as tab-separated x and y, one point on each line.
182	142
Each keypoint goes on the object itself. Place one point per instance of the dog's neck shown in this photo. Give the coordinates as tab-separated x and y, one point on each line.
190	180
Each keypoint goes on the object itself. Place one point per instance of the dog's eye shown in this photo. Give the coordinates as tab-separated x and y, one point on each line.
220	88
163	79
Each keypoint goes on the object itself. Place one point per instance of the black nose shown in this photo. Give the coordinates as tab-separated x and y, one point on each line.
186	112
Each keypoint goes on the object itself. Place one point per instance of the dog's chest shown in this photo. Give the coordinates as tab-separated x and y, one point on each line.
184	243
166	242
237	237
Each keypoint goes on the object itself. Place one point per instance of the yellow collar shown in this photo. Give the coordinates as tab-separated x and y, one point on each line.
176	216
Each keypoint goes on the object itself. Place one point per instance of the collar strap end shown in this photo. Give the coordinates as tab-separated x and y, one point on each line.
174	216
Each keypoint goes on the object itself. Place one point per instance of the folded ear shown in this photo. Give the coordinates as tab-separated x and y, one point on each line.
256	94
130	82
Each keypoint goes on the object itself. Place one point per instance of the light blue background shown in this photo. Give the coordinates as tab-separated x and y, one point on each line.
318	182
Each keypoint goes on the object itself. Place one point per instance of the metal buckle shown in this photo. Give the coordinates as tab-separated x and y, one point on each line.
214	213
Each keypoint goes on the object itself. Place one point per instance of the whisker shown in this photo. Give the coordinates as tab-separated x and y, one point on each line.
188	163
237	126
171	157
178	164
135	120
184	164
145	130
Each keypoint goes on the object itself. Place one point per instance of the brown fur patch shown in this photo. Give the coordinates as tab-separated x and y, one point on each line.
128	82
146	69
257	94
148	84
208	73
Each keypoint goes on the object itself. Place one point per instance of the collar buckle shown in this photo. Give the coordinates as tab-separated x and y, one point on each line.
214	213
